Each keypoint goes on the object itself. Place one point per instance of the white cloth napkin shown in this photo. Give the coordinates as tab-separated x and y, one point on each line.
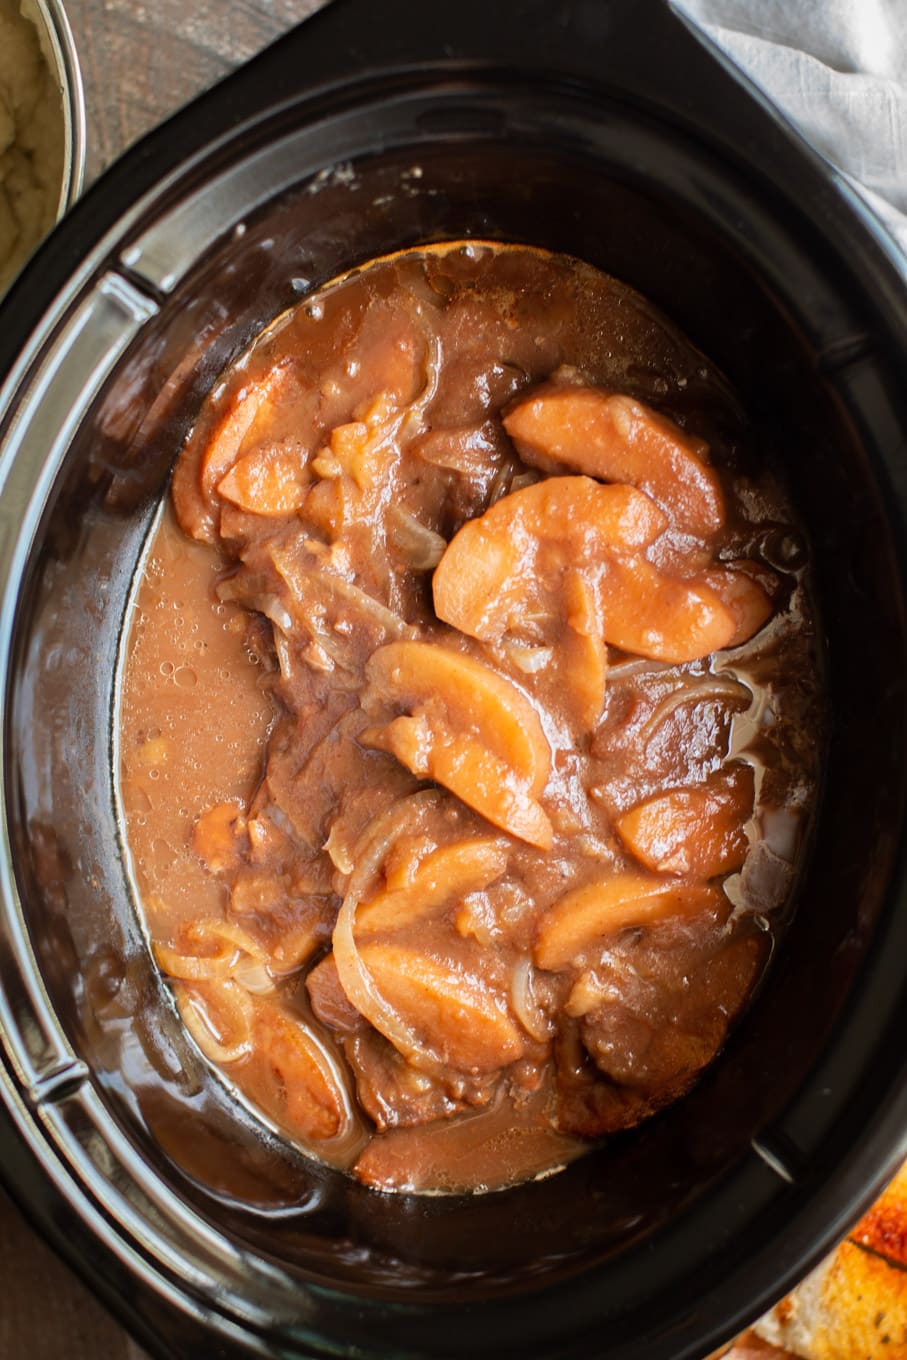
838	70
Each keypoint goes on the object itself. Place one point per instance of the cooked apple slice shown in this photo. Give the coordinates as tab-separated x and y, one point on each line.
582	656
206	460
617	439
218	837
696	831
298	1077
445	875
650	614
743	596
467	728
485	582
250	412
504	572
461	1018
271	480
606	906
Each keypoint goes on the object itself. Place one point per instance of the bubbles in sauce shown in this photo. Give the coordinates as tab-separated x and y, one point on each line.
469	718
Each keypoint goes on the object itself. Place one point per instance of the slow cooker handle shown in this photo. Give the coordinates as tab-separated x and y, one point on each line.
618	41
637	50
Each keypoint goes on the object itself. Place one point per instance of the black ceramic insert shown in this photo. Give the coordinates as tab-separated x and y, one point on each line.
605	130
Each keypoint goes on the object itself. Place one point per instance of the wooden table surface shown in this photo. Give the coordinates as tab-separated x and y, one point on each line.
141	60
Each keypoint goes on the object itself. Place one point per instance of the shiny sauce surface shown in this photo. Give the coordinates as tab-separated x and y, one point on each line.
469	718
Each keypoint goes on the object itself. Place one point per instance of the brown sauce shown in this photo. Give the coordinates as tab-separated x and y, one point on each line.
468	718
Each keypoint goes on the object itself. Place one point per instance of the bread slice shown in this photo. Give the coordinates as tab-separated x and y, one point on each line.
853	1306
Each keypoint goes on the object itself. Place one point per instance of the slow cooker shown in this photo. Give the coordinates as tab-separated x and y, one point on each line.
605	129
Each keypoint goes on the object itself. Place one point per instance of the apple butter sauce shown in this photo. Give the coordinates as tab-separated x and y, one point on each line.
470	718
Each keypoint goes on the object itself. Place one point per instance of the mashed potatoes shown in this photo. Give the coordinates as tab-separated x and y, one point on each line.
31	141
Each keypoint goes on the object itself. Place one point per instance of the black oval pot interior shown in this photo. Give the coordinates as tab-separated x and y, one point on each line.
118	1138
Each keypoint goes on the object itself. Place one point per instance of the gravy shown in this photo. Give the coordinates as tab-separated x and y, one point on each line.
469	718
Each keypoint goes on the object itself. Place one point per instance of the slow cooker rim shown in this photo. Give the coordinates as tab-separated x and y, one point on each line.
897	1117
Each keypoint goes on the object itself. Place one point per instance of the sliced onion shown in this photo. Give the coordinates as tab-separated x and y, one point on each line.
708	689
274	609
229	994
476	449
432	377
356	980
232	943
253	975
500	486
421	547
339	851
195	967
408	416
321	587
525	1007
235	935
325	1059
250	590
634	665
285	657
529	660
